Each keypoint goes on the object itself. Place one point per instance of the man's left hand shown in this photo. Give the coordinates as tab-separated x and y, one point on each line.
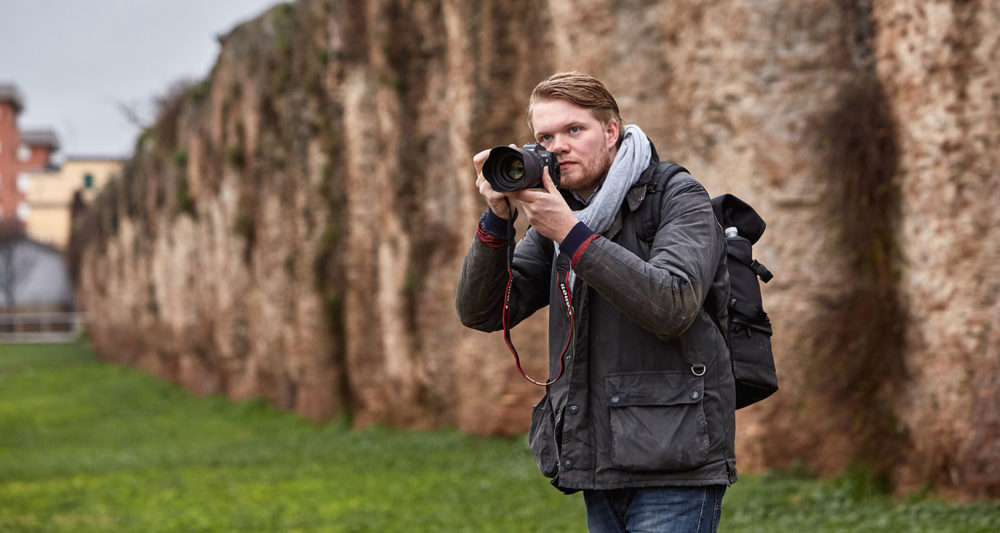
546	209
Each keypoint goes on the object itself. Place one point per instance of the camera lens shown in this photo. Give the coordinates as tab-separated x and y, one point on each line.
514	169
511	169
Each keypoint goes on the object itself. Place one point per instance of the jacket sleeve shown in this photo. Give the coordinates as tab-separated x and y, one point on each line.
663	295
483	281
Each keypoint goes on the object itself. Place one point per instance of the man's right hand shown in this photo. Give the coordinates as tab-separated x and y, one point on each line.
496	200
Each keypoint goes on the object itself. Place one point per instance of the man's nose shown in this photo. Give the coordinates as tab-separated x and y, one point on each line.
559	144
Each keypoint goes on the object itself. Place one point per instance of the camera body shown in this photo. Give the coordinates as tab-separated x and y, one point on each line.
512	169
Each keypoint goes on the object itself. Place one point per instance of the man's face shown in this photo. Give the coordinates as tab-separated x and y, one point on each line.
584	146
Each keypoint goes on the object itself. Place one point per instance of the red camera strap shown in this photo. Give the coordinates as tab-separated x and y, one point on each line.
567	301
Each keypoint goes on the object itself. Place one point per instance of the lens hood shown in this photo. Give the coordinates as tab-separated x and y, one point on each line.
512	169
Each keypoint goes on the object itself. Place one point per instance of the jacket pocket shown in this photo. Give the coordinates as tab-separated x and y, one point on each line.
657	420
541	438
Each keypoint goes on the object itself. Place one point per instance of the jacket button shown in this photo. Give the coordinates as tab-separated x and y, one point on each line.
694	395
573	409
615	399
567	464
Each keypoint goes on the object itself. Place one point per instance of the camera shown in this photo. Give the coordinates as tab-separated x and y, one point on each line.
512	169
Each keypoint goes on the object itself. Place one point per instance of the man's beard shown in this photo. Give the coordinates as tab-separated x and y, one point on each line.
593	175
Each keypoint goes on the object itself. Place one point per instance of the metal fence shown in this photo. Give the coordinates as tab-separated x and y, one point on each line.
45	326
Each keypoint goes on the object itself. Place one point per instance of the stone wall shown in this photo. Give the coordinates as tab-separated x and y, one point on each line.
940	64
293	226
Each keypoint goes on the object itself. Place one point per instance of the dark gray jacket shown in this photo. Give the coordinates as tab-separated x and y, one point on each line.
647	397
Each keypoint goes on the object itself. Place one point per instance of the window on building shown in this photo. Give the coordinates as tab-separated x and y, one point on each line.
23	211
88	181
23	181
24	153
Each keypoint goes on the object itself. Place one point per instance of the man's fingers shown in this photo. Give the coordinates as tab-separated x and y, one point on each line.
547	182
479	159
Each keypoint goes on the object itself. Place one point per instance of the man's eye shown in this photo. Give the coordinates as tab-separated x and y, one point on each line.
574	129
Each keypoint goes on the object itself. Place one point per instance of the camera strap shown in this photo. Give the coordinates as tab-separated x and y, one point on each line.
567	301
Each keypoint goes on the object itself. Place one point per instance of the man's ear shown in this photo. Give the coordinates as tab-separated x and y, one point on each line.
611	131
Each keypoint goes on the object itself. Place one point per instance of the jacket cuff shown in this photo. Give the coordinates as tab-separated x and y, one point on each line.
576	242
492	229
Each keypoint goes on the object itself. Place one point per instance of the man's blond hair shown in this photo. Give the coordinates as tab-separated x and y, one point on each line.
583	90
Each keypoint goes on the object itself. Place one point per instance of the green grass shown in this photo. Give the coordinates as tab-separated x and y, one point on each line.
86	446
789	502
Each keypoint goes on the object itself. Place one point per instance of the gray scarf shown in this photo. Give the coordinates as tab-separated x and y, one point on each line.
632	159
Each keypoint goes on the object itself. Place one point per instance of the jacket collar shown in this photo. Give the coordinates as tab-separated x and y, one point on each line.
635	195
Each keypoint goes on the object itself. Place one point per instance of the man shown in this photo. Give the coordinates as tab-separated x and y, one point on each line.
642	418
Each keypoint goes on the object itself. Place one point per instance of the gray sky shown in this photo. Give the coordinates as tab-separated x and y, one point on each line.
77	61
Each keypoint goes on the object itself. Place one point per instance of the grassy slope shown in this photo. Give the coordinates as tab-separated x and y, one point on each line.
86	446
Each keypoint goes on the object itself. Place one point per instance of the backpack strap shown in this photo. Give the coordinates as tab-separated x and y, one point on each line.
660	177
649	208
649	223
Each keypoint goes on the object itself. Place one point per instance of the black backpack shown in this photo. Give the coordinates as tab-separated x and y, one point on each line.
749	330
749	326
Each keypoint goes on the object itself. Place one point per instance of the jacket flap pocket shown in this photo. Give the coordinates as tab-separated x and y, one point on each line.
654	388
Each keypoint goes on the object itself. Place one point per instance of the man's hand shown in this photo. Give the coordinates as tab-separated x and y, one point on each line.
497	200
546	209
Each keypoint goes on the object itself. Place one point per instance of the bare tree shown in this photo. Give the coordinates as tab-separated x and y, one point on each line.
13	265
132	114
142	115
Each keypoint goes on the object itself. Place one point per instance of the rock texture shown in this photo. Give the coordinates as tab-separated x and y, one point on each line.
940	64
293	226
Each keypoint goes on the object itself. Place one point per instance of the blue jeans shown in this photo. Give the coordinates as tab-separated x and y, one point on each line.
680	509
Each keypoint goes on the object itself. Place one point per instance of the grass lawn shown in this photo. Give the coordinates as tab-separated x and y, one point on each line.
86	446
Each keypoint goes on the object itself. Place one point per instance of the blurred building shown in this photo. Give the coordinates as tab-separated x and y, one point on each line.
33	276
20	153
50	194
35	192
36	199
36	293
